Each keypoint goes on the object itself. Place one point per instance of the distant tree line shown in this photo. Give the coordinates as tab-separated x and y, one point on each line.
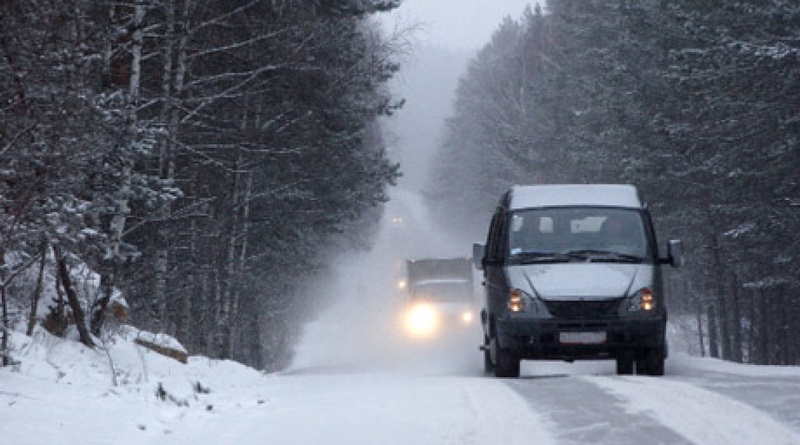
200	156
695	102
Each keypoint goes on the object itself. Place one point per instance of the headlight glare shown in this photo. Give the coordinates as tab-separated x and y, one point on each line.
422	320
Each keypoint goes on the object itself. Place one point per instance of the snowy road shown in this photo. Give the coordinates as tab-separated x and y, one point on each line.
62	393
726	404
703	402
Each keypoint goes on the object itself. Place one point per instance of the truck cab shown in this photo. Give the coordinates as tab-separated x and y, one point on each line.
573	272
440	295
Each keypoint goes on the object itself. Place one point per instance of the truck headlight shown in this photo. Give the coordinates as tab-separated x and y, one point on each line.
422	320
642	300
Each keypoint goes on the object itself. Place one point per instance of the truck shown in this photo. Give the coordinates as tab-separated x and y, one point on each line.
439	295
573	272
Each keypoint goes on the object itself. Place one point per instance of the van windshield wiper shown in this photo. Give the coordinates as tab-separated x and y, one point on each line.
539	256
595	255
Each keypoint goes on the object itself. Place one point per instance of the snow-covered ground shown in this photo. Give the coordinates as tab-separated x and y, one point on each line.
64	393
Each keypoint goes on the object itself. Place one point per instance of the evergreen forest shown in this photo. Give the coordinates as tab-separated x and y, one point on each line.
697	103
195	161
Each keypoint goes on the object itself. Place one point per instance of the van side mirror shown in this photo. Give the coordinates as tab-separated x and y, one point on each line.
478	250
675	253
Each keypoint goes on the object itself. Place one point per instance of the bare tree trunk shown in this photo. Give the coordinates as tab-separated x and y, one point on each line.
72	297
713	337
109	269
764	331
174	57
183	324
56	322
231	281
786	323
237	253
161	262
37	293
178	81
722	318
240	267
208	301
752	331
724	324
736	319
794	327
221	311
122	209
700	329
5	345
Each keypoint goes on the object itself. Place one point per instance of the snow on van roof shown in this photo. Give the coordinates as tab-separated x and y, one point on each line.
612	195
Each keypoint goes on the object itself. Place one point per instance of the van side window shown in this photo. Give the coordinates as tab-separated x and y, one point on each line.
495	242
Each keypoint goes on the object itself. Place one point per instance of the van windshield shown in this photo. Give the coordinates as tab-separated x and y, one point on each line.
586	233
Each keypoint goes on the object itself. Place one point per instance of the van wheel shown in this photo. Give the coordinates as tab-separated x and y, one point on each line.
488	365
651	363
625	364
507	365
641	366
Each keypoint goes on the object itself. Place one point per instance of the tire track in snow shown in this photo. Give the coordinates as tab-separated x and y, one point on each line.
701	416
581	413
502	416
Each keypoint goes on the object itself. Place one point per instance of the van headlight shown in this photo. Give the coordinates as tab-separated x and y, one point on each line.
643	300
520	301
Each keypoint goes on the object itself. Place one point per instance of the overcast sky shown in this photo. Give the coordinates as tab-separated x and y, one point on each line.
458	24
450	33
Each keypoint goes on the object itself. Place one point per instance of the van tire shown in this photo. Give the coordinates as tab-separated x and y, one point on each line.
625	364
488	364
651	363
507	365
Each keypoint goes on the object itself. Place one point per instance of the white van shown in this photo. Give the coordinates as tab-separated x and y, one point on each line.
572	272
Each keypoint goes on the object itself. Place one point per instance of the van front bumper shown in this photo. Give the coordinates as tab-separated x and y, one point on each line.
549	339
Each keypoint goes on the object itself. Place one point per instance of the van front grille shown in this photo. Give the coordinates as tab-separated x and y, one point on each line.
583	309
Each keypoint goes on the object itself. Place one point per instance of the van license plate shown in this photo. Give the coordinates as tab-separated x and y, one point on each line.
582	338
